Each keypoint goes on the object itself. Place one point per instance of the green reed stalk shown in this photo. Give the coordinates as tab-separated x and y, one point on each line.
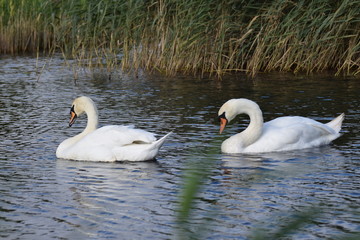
191	36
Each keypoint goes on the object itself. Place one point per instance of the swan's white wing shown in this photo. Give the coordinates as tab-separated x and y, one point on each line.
299	124
139	152
282	122
101	144
288	133
112	136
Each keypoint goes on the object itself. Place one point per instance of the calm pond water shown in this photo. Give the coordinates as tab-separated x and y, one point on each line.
42	197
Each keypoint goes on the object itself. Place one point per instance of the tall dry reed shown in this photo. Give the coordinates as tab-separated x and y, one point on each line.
191	36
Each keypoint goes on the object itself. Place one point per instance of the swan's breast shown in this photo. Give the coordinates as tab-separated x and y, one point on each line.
232	145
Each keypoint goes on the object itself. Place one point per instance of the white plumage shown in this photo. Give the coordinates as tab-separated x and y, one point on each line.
280	134
109	143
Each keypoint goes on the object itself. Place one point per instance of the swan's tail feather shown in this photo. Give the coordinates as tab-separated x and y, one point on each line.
336	122
161	141
140	151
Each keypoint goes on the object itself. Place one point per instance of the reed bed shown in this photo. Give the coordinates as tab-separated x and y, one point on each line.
188	36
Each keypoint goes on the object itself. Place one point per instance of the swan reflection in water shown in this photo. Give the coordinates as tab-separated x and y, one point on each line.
114	196
286	163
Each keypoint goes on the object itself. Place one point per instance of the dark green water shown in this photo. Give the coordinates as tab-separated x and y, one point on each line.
42	197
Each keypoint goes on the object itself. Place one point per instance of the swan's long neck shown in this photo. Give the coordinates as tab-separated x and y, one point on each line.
254	130
92	122
92	114
252	133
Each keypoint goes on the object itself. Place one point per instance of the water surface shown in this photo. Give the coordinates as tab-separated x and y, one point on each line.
42	197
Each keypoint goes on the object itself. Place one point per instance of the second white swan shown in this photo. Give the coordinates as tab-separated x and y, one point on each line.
280	134
109	143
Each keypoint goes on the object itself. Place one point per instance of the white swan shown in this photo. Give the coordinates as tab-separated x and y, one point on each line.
109	143
280	134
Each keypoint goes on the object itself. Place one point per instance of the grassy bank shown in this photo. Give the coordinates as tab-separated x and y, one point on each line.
191	36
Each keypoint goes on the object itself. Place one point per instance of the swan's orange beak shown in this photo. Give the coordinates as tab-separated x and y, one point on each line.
73	117
223	122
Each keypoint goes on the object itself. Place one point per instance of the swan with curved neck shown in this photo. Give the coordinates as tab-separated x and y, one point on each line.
280	134
109	143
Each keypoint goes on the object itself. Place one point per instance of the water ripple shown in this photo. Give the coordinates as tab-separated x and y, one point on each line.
47	198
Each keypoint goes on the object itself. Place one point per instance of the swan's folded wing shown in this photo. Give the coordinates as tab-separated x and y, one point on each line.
300	125
324	129
293	133
118	136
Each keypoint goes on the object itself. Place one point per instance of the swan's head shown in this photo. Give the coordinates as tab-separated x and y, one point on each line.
80	106
232	108
226	114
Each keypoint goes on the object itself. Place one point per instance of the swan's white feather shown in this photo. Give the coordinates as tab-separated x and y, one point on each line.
288	133
114	135
280	134
109	143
